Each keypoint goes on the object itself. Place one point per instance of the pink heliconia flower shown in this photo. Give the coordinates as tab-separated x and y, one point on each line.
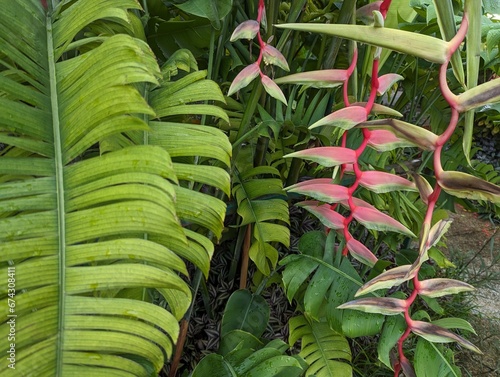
272	89
246	30
244	78
272	56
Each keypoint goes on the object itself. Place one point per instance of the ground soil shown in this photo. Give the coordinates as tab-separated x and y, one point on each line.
474	245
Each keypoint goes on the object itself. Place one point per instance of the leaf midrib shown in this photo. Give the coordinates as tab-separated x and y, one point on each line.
59	178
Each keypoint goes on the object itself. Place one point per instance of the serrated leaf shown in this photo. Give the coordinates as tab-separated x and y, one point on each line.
328	78
380	182
327	156
324	213
463	185
376	220
436	334
380	305
272	89
272	55
442	287
345	118
246	30
245	77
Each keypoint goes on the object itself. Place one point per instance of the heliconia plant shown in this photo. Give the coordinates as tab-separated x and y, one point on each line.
382	135
268	54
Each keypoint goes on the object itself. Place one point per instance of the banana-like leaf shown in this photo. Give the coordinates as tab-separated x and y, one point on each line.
82	230
326	351
426	47
261	203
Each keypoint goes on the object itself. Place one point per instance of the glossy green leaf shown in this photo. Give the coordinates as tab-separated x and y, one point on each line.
247	312
213	365
214	11
434	360
394	327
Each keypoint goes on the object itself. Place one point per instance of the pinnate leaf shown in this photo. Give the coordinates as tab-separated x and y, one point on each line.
246	30
327	156
463	185
272	89
244	78
381	305
345	118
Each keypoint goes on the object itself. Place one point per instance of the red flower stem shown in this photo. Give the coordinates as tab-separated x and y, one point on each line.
450	97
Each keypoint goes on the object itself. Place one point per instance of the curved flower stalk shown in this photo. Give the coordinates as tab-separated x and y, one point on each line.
270	55
386	134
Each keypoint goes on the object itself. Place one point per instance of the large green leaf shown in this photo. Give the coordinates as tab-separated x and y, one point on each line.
81	230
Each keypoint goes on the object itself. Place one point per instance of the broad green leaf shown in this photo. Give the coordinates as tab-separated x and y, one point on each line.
394	327
434	360
247	312
454	323
463	185
420	45
213	365
238	339
214	11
